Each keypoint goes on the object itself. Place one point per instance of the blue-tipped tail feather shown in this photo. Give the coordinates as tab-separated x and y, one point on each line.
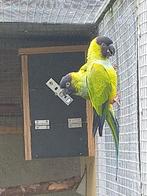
113	124
98	123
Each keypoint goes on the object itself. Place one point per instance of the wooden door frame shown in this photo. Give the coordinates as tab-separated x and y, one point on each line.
25	52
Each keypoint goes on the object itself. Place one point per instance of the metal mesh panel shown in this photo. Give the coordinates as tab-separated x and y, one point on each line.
142	18
10	102
49	11
119	23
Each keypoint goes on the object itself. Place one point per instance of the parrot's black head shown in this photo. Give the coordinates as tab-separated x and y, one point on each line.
106	45
66	85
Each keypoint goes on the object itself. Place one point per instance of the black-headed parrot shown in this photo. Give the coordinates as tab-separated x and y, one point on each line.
97	80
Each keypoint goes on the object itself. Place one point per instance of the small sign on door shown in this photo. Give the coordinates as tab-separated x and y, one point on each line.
42	124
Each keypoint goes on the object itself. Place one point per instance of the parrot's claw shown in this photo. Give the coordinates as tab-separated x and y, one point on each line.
115	67
117	100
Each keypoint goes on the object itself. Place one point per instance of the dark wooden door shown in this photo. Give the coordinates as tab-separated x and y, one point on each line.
58	140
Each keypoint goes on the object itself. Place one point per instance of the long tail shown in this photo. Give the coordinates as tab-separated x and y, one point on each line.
98	121
113	124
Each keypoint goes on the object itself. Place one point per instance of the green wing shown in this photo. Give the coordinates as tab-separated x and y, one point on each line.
100	89
99	86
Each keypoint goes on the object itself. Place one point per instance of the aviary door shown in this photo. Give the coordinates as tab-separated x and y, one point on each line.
51	128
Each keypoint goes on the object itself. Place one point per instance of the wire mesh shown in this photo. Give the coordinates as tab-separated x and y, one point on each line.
49	11
10	82
120	24
142	56
10	102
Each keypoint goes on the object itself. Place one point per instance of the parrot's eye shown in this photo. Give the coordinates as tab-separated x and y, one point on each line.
67	84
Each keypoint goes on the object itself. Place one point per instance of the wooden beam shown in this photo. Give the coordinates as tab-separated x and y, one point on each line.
26	108
91	140
91	177
42	187
10	130
10	109
88	164
52	49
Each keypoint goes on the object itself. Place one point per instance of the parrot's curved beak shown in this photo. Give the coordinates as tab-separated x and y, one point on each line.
107	46
65	84
64	80
108	51
111	50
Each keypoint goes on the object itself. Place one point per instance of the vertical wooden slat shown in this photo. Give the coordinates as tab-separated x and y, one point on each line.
88	164
91	177
26	108
91	141
90	161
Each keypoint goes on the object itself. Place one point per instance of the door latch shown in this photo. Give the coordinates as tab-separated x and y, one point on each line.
59	92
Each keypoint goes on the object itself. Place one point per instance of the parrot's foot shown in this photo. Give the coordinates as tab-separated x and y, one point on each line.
115	67
117	99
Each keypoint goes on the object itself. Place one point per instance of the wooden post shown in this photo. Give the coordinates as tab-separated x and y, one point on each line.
26	108
91	140
90	161
91	177
88	164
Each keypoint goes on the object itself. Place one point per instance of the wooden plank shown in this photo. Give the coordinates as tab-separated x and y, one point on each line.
26	108
52	49
88	164
42	187
91	177
10	109
10	130
91	140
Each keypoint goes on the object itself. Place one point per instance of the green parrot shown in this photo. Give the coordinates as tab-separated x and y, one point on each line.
97	81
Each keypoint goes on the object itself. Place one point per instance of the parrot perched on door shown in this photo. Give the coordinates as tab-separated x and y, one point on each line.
97	81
